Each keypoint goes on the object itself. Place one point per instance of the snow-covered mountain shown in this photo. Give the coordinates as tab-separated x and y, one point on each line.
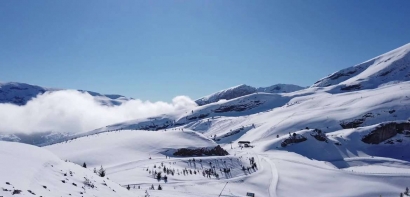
347	135
242	90
391	67
21	93
354	139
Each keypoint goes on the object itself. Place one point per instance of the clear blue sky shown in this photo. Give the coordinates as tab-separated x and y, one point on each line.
160	49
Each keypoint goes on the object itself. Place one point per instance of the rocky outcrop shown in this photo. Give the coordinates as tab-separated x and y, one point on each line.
238	107
385	132
351	87
319	135
200	116
356	122
295	138
216	151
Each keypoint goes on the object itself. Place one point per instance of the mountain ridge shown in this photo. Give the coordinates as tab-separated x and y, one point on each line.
20	93
243	89
388	67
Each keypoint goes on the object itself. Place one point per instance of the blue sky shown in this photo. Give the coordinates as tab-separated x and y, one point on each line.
155	50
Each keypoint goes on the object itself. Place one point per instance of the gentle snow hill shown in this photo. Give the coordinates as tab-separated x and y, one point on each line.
391	67
117	147
242	90
37	172
125	154
21	93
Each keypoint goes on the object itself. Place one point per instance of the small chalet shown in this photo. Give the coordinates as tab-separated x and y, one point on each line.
244	143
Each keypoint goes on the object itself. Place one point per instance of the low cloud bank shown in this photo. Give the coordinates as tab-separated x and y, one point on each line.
73	111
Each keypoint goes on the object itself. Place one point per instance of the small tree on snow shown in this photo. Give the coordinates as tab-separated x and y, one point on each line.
95	171
88	182
84	165
101	172
128	187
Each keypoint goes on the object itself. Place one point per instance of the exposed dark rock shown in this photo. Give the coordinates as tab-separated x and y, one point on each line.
239	107
319	135
339	74
186	152
385	73
31	192
155	127
16	191
233	132
352	87
355	123
293	139
201	116
385	132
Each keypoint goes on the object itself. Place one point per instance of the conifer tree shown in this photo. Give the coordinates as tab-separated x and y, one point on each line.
101	172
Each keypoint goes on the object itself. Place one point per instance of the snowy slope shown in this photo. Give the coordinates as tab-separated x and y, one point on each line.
358	166
226	94
280	88
198	118
393	66
21	93
125	155
242	90
101	149
37	172
278	114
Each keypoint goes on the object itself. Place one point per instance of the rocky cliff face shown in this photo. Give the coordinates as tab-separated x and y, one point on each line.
385	132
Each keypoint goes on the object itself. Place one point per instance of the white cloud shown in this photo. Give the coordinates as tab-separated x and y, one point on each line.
73	111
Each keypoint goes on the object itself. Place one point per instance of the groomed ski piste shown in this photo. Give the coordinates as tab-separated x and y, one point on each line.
347	135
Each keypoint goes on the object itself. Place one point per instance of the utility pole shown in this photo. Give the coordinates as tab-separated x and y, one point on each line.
223	189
